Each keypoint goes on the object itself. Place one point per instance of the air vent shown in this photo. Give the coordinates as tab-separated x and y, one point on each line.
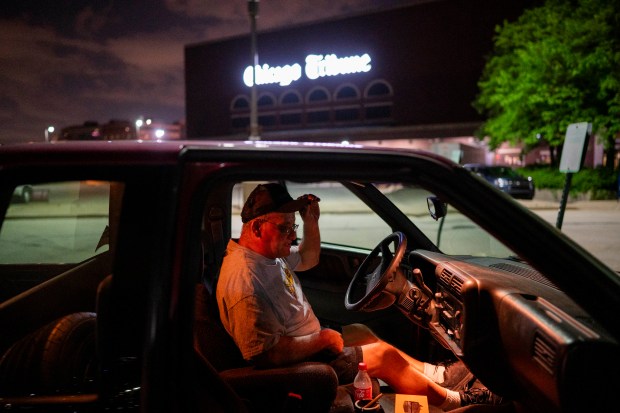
453	283
456	285
544	353
445	277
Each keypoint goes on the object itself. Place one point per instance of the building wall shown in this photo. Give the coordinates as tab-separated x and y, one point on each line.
429	54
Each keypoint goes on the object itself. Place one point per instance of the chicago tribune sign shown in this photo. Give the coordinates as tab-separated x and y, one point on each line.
317	65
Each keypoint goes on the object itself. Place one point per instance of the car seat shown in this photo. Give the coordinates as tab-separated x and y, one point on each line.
263	389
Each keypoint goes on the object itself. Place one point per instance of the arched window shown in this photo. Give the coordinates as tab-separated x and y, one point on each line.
378	88
318	100
378	101
266	100
240	102
290	109
347	107
346	92
290	97
318	94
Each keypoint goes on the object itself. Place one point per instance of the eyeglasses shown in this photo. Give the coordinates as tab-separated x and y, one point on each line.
284	229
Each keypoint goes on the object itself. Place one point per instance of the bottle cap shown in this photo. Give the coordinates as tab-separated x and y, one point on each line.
362	366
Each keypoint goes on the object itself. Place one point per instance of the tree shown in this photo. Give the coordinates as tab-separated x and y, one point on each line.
557	64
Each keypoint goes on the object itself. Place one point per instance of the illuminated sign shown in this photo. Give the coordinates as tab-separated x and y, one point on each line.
284	75
316	66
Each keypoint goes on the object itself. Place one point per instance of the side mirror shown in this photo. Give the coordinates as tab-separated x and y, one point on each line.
436	208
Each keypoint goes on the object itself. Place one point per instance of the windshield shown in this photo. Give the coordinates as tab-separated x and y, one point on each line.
346	220
500	171
455	234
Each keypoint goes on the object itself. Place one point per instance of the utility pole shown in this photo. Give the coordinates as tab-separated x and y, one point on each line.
253	11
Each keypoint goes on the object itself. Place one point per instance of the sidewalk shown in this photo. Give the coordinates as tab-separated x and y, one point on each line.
602	205
550	199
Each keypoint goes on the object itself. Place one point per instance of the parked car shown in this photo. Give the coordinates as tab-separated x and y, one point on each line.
106	289
22	193
505	179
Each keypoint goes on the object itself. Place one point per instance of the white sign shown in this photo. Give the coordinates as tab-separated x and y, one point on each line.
316	66
575	144
284	75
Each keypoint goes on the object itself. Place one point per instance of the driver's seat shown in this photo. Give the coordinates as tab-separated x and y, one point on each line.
263	389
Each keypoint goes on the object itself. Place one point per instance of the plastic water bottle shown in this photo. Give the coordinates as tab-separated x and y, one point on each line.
362	383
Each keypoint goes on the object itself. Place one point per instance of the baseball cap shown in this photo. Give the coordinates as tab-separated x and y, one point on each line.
266	198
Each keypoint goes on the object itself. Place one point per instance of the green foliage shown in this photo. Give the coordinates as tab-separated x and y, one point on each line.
557	64
600	182
594	180
544	177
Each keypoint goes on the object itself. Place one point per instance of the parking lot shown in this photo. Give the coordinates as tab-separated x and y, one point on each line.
595	225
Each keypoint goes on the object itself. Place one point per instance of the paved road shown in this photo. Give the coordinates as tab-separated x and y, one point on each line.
595	225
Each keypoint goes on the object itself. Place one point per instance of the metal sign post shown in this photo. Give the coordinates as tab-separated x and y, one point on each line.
254	128
573	154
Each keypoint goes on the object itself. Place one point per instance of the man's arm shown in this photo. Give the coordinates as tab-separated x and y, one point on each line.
294	349
310	247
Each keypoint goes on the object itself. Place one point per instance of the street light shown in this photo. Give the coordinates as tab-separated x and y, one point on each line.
48	131
253	11
139	124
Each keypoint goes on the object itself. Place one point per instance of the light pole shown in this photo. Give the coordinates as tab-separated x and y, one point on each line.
49	130
139	124
253	11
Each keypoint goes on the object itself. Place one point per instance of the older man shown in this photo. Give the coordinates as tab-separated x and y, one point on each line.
263	308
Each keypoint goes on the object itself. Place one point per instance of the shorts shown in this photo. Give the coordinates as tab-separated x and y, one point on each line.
344	363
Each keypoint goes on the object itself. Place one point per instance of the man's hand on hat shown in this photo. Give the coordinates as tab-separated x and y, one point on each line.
312	209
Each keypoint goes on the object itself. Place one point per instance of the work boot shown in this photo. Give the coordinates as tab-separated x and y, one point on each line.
480	395
456	376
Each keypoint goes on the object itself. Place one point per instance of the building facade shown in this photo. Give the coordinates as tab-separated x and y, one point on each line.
403	76
145	129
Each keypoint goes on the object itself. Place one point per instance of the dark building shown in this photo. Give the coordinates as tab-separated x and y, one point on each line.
401	73
91	130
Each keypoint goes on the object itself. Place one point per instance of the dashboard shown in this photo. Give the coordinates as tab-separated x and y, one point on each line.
519	334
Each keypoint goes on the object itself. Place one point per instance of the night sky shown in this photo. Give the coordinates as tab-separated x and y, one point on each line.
64	62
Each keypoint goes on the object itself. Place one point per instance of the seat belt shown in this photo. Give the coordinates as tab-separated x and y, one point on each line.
215	219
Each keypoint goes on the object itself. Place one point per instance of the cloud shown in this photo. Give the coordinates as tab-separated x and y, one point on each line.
33	63
152	52
274	12
120	61
46	78
152	64
224	10
229	18
89	22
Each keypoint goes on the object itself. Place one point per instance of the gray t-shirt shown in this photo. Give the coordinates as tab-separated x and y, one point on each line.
259	303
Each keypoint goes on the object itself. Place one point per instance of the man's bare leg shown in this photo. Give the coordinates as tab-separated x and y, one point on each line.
360	334
387	363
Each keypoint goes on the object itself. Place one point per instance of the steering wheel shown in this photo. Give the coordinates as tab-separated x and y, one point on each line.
377	285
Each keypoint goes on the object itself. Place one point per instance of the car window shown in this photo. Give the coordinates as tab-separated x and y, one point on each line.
501	171
57	223
345	219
